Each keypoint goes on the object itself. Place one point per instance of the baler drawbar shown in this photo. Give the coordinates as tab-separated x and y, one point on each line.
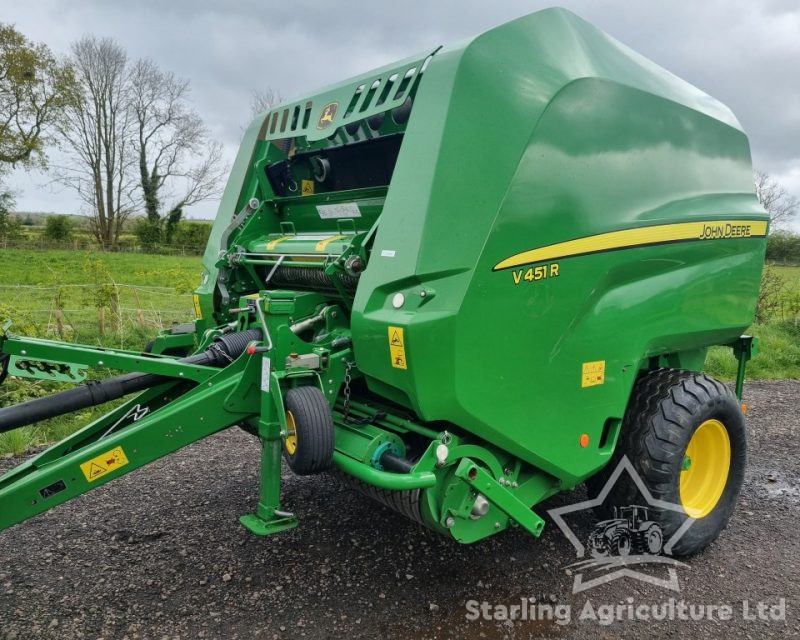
463	282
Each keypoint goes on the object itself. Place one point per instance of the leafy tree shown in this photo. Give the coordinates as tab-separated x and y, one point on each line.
148	232
35	87
783	246
9	225
58	228
191	234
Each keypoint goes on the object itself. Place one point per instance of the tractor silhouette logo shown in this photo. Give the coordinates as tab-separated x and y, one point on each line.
619	546
629	531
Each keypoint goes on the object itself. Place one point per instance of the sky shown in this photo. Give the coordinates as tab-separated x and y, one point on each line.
744	53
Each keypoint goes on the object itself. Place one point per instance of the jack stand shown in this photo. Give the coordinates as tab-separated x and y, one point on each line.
744	349
269	518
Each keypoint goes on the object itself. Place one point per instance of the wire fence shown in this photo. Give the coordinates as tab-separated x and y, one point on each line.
125	316
87	243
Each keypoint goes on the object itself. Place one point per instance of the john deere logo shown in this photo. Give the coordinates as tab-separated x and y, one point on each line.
327	115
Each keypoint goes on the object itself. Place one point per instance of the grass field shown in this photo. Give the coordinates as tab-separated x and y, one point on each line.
143	293
151	291
140	294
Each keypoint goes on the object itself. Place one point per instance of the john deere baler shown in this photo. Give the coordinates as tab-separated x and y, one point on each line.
465	281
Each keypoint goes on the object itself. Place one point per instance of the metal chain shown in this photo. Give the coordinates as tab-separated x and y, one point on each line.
346	392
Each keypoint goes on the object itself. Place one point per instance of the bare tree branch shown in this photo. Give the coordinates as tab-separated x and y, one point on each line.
263	100
178	162
96	133
779	203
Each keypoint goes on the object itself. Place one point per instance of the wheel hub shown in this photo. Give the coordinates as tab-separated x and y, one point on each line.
705	467
291	436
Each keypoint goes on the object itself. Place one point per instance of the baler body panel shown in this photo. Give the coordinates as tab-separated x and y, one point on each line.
542	131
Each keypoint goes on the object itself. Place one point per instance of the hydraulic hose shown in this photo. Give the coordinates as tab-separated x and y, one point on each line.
224	350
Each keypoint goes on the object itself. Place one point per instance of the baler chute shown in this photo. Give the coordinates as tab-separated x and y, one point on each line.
419	277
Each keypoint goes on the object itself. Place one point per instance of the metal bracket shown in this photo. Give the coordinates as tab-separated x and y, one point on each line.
54	370
744	349
275	523
500	496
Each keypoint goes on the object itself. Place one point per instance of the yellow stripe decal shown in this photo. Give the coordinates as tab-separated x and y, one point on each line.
324	243
639	237
271	244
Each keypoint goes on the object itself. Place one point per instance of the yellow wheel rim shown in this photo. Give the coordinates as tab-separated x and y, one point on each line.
705	468
290	442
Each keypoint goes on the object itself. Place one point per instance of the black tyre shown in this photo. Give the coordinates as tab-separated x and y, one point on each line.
652	539
684	434
308	445
621	543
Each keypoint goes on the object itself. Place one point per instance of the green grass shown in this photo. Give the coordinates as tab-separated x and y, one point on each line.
791	274
779	344
154	291
778	357
20	266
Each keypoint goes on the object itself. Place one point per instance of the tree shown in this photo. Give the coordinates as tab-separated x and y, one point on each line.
783	246
9	225
97	130
58	228
178	163
35	88
779	203
263	100
192	234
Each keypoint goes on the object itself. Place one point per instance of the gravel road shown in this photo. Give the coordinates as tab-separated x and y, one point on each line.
160	554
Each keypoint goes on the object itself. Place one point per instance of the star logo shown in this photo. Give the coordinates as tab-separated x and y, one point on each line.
628	540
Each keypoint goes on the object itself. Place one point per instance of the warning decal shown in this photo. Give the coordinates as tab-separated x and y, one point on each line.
593	373
307	187
397	347
104	463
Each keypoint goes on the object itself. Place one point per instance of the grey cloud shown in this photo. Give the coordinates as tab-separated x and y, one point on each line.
746	53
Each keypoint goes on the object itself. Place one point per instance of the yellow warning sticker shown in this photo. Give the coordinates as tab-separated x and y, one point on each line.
307	187
397	347
197	310
593	373
104	463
